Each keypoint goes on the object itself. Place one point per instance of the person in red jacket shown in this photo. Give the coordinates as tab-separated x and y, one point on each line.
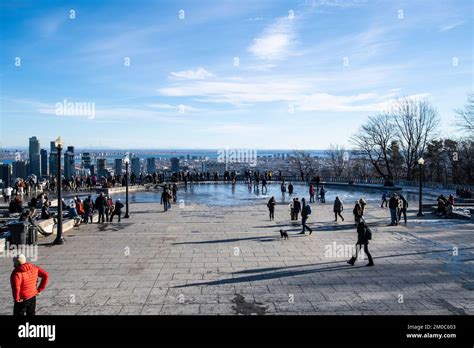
24	282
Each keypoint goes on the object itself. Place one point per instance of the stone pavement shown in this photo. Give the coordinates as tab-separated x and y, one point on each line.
231	260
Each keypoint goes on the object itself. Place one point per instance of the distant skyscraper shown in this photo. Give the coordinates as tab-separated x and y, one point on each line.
53	159
19	169
35	159
102	167
136	168
175	165
69	163
44	162
86	160
118	166
150	165
6	174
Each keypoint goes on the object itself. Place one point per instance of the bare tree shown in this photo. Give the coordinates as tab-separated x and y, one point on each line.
338	159
416	122
465	116
304	163
374	139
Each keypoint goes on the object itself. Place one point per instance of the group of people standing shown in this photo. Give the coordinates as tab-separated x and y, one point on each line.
398	206
83	210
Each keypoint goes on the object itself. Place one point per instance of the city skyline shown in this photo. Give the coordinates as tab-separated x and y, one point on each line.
260	74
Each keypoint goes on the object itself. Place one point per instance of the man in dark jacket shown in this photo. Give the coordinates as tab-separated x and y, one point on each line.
363	232
101	204
403	208
296	208
393	206
24	280
305	211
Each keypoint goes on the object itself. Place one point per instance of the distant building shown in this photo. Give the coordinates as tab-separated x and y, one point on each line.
175	165
86	160
35	159
102	167
69	163
19	169
92	169
150	165
211	166
44	162
136	167
118	166
6	174
53	159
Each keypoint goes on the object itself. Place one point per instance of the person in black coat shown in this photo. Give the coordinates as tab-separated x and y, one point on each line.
271	208
363	232
101	204
296	208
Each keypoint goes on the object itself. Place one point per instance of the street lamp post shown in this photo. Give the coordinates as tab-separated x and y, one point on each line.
127	161
421	162
59	236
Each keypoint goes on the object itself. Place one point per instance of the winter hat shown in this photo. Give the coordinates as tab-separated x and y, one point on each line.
19	260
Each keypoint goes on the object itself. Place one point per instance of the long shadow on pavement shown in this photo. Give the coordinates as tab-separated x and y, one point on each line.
285	273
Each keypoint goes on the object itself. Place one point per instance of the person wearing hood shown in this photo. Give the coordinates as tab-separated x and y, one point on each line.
117	210
24	280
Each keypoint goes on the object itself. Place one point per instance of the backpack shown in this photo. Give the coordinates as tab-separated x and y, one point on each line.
308	209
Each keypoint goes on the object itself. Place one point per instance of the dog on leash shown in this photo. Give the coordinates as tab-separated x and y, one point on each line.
283	234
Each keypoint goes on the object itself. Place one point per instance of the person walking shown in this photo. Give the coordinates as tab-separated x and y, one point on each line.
384	200
109	208
311	193
24	280
271	208
290	188
264	185
101	205
362	204
283	188
292	209
357	211
7	194
403	208
164	199
338	208
305	212
88	209
393	206
175	192
117	210
296	208
364	234
322	194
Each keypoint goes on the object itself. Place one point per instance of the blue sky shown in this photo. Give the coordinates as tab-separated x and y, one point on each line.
309	72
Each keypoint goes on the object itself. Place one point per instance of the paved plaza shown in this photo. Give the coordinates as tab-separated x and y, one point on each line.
205	260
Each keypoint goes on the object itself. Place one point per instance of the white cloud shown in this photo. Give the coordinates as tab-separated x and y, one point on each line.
238	92
450	26
276	41
198	74
364	102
